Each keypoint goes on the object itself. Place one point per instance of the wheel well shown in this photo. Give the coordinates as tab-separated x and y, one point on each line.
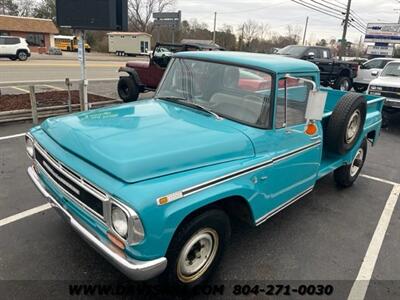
236	207
345	73
371	135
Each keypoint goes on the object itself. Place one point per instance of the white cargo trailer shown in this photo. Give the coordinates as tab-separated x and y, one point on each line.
129	43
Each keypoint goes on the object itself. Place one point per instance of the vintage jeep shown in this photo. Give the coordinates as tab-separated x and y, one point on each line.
143	76
154	185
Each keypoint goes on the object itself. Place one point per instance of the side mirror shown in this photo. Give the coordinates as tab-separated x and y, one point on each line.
311	55
375	73
315	105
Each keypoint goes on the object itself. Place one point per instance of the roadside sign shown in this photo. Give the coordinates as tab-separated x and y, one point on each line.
380	50
167	15
383	33
167	23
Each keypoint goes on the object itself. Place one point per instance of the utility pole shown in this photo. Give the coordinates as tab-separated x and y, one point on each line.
305	32
345	25
215	26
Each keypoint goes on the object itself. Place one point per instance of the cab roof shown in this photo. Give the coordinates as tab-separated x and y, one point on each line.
273	63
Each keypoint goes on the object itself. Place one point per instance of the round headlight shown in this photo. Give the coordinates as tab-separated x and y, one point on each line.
119	221
29	147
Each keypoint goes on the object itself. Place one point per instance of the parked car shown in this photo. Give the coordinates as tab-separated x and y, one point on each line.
14	48
144	76
335	73
161	52
366	71
387	85
154	185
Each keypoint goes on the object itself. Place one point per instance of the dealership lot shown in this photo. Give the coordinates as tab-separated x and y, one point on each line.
331	234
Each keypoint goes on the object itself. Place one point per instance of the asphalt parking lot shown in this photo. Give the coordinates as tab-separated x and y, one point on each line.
333	236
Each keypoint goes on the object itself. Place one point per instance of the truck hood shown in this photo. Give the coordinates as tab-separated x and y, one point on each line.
138	64
388	81
148	139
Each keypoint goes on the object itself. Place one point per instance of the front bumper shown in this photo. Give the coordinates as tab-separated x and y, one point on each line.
134	269
390	102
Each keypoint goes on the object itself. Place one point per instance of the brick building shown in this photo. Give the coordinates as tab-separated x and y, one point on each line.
39	33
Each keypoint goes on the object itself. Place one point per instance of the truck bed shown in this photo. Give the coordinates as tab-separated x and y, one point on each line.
331	161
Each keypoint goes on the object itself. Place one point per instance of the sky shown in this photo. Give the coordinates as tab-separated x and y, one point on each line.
280	13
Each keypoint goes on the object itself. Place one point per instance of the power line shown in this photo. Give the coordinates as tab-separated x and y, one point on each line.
338	14
316	9
337	11
351	10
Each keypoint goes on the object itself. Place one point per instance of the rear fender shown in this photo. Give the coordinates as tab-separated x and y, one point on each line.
133	74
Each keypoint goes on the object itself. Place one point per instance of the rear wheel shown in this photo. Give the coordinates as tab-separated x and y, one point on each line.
196	249
345	176
22	55
343	84
128	90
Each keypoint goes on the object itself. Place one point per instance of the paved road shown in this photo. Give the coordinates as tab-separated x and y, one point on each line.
324	236
55	70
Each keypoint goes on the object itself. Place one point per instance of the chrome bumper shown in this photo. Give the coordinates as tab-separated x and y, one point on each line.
134	269
392	102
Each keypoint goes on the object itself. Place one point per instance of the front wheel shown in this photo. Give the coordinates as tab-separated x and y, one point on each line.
196	249
345	176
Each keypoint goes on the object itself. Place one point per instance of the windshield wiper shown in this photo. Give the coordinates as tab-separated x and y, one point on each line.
186	102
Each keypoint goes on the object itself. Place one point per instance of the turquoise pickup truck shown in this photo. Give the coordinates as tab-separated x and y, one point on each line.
154	185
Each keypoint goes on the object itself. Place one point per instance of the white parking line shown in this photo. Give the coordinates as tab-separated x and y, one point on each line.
20	89
360	286
54	87
11	136
379	179
24	214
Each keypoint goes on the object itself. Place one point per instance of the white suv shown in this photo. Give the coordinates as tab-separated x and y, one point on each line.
14	48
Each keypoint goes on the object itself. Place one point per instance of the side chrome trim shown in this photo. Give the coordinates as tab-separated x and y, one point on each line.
270	214
200	187
134	269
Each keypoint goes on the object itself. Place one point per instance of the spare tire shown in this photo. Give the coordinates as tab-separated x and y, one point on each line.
346	123
128	90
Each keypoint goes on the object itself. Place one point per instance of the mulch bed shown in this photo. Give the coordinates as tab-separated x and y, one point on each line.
44	99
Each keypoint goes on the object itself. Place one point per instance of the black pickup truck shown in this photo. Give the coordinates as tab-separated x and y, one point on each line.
335	73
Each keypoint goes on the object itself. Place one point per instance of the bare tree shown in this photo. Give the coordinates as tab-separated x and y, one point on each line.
26	7
8	7
264	31
141	12
294	32
250	29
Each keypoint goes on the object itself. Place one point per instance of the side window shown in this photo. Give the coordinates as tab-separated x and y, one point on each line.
313	50
293	113
325	53
12	41
384	63
373	64
2	41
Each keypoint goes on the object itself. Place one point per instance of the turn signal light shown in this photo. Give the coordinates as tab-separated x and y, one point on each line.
311	129
116	241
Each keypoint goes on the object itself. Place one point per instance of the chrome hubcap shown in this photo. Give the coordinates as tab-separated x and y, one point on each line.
353	126
197	255
357	162
344	86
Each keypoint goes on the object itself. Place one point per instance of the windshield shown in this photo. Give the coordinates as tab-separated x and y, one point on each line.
392	69
292	51
231	92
